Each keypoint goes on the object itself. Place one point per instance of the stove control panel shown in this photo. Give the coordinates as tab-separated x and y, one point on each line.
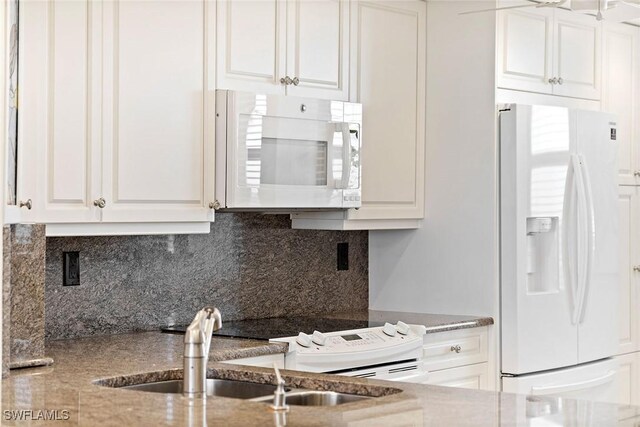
389	335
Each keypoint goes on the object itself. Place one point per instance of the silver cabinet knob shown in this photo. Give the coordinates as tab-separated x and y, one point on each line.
636	174
28	204
295	81
636	268
560	81
553	81
101	203
456	348
286	80
214	205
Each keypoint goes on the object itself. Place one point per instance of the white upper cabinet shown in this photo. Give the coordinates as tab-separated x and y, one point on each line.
394	114
525	55
251	45
551	51
58	136
318	48
577	55
393	136
116	111
621	94
155	86
294	47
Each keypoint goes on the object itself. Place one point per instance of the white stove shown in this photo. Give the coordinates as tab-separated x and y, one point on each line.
389	352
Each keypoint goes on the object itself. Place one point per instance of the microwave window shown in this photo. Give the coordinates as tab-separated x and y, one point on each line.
291	161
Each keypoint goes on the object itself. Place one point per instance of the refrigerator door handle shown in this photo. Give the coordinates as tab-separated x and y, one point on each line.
568	237
583	238
581	385
590	238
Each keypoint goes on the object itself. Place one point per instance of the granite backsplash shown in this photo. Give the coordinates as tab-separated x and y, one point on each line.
249	266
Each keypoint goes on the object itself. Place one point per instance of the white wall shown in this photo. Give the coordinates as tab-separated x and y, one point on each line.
450	265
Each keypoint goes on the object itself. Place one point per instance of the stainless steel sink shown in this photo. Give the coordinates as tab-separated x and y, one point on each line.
254	392
317	398
215	387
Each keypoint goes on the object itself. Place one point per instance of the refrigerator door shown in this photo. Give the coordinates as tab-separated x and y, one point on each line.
537	186
596	381
598	318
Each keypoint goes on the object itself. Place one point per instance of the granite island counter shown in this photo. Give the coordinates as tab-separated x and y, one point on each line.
70	385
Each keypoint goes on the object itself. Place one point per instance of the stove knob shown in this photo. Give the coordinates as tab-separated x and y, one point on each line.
403	328
304	339
318	338
389	329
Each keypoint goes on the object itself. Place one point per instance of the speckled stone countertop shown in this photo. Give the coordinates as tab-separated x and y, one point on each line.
70	385
433	322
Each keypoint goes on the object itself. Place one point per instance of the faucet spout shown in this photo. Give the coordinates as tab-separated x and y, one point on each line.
197	343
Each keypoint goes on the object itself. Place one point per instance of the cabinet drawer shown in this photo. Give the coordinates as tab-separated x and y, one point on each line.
471	377
455	348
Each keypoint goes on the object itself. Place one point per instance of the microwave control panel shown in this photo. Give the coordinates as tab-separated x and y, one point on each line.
351	198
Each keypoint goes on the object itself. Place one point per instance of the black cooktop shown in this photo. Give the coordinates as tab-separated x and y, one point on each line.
278	327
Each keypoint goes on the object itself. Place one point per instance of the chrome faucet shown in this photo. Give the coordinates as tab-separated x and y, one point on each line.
279	396
197	341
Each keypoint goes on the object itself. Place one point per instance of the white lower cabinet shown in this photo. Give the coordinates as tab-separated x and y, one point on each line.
629	258
457	358
628	378
471	376
629	386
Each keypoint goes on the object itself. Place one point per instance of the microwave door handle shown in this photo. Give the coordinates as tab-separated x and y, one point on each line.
346	155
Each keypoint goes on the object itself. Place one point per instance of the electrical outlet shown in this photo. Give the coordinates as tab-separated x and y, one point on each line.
343	256
71	269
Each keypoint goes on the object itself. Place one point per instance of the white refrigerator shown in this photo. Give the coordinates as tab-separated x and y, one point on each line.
559	252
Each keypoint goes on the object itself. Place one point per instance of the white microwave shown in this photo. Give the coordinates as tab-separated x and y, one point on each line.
282	152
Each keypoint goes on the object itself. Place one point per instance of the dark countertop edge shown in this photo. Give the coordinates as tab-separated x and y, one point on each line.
486	321
31	363
242	353
433	323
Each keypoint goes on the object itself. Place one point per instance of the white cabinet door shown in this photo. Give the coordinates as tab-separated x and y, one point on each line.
629	237
157	157
318	48
251	45
550	51
393	139
628	379
470	376
620	93
59	141
577	55
525	50
393	114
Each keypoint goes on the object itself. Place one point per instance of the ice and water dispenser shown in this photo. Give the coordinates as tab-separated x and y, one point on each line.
542	254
